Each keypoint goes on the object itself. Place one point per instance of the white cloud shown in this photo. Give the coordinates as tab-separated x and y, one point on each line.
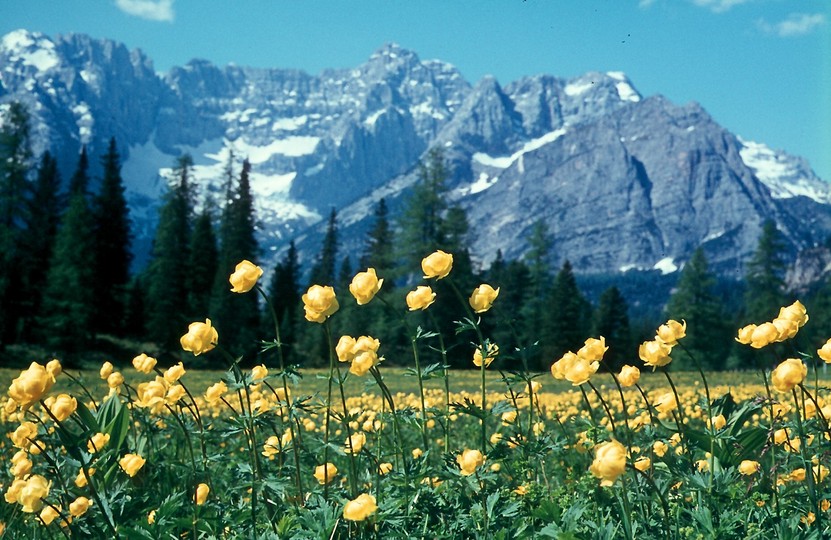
643	4
797	24
153	10
718	6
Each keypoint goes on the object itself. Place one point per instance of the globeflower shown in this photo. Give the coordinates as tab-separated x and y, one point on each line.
144	363
365	285
629	376
245	276
106	370
609	462
201	495
666	403
655	353
788	374
671	331
437	265
763	335
31	385
493	350
79	506
320	302
174	373
593	349
362	362
745	334
748	467
360	508
201	338
63	406
354	443
97	442
825	352
131	464
420	298
32	493
215	392
483	297
469	460
325	473
345	349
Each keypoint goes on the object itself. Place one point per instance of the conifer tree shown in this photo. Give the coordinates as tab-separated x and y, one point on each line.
236	316
68	306
535	311
113	238
570	312
694	301
166	302
42	219
611	320
512	278
79	182
15	157
202	263
284	292
764	292
379	252
323	271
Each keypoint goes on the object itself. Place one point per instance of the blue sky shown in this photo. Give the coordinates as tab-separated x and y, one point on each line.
762	68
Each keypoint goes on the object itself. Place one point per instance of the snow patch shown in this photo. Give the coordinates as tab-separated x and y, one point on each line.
506	161
482	183
665	265
783	174
289	124
616	75
371	119
575	89
84	121
294	146
32	49
626	92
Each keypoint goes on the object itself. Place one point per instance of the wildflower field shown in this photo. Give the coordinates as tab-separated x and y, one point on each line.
361	450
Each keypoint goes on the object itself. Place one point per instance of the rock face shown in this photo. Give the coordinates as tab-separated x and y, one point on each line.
622	181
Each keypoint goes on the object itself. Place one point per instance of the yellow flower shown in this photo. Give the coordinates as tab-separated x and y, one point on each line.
174	394
825	352
764	334
788	374
384	468
32	493
417	453
215	392
48	515
437	265
21	464
360	508
420	298
655	353
354	443
31	385
748	467
666	403
580	371
469	460
629	376
115	379
81	478
151	394
319	303
13	492
366	343
54	368
493	350
201	338
745	335
151	517
202	490
643	463
63	406
245	276
609	462
131	464
362	362
718	422
24	434
174	373
259	372
79	506
144	363
795	312
325	473
365	285
702	465
483	297
671	332
106	369
345	349
593	349
97	442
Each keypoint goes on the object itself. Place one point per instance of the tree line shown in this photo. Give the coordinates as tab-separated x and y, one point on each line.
66	286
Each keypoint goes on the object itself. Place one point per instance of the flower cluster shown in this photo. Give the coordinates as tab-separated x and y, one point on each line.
656	353
578	368
361	353
791	318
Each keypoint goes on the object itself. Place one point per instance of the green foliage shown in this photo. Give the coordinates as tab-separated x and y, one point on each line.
764	280
570	314
611	320
202	262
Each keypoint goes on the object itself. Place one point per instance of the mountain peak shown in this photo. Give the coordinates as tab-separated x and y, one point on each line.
30	48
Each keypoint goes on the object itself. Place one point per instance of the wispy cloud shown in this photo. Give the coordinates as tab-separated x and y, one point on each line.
796	24
152	10
643	4
719	6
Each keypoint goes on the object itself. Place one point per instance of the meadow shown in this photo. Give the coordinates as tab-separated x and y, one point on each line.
364	450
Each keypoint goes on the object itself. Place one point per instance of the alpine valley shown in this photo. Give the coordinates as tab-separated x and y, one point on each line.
624	182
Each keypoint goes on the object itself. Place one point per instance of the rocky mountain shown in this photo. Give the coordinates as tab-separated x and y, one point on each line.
624	182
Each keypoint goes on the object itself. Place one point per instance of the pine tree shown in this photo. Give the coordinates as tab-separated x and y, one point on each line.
41	229
513	279
15	157
611	320
535	311
113	238
79	183
764	293
284	293
379	252
570	313
323	271
166	303
202	263
68	305
421	219
694	301
236	316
